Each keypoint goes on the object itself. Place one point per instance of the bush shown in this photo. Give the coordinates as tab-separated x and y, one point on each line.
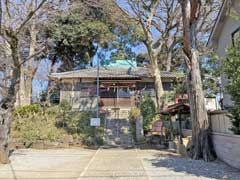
64	106
34	123
231	68
148	111
134	114
235	117
26	111
37	128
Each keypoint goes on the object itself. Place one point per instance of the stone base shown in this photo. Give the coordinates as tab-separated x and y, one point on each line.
140	140
160	146
171	145
21	144
181	149
4	157
38	145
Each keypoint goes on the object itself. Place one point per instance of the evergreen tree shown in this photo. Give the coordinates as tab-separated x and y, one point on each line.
231	68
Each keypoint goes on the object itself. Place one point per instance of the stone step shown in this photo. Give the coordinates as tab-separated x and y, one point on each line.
118	129
117	115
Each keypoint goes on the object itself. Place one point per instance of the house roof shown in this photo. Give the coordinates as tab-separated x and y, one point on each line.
124	63
176	108
215	30
113	72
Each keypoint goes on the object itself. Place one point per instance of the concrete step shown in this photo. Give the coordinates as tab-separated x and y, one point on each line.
118	129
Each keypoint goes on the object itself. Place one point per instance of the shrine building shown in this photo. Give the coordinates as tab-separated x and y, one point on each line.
120	83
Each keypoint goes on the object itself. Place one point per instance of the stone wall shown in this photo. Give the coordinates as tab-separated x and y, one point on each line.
227	147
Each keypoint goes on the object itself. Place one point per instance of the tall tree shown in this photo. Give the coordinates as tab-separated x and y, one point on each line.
33	46
202	143
122	47
11	29
157	19
79	30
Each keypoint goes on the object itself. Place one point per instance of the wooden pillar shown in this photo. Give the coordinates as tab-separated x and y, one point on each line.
180	126
171	127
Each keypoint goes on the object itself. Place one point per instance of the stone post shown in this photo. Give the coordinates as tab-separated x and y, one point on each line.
139	129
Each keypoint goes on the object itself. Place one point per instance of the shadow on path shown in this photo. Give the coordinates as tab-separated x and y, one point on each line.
216	169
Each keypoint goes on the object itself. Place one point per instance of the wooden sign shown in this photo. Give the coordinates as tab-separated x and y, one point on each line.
157	126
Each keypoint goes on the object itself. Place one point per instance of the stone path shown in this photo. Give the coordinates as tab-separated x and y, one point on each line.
105	164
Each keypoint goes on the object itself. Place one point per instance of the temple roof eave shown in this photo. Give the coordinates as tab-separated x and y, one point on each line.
113	73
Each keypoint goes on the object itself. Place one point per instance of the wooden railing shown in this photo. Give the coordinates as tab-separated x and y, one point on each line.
117	102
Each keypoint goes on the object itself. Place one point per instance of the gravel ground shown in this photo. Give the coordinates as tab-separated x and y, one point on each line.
104	164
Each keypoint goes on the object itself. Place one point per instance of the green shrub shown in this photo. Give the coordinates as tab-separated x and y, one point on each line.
26	111
52	111
36	129
148	111
77	122
64	106
134	113
235	118
34	123
231	68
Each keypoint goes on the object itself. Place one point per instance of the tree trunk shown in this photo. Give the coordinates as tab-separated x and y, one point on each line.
202	143
157	82
7	103
169	62
50	82
24	95
5	124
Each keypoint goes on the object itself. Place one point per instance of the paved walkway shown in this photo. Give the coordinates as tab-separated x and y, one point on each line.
104	164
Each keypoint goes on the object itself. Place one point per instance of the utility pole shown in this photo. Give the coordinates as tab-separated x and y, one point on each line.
97	87
97	105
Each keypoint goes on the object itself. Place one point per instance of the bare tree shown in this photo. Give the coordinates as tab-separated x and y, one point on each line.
193	23
33	47
11	29
157	19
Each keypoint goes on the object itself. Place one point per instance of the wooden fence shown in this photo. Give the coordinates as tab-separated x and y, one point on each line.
220	122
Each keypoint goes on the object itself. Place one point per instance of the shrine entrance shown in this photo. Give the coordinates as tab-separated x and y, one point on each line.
117	98
117	95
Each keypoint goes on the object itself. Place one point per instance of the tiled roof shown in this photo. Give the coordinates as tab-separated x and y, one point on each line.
111	72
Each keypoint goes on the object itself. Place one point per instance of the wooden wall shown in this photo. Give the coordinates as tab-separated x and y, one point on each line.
81	95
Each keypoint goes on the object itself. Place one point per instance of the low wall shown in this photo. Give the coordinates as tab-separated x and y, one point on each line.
227	147
226	144
186	132
220	122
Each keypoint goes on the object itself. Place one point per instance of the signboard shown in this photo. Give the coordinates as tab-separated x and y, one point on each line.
95	122
157	126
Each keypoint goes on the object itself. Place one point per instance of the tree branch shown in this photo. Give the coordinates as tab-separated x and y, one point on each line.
29	16
33	55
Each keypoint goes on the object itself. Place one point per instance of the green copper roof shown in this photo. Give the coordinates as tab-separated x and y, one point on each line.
119	63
